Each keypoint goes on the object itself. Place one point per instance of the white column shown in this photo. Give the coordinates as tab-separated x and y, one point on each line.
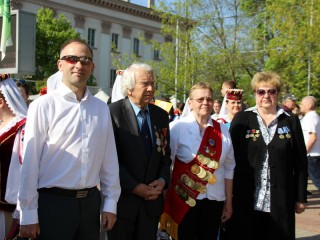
150	3
105	62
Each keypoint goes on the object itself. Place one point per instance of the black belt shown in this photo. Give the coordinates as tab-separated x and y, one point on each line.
79	193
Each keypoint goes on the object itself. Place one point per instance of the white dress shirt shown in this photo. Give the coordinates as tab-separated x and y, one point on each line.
310	123
70	145
185	140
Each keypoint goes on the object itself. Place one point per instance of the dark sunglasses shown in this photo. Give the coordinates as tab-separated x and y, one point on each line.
74	59
262	92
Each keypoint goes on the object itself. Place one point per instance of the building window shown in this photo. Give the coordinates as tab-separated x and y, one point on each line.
136	43
91	37
113	75
115	42
156	54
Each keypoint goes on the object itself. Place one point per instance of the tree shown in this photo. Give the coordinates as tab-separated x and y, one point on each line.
51	33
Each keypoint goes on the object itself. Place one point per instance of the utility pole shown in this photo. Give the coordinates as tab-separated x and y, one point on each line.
309	53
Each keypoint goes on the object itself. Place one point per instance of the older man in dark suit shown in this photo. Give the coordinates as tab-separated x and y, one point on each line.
142	137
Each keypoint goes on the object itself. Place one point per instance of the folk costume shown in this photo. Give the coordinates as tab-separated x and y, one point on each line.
270	176
231	94
11	144
202	161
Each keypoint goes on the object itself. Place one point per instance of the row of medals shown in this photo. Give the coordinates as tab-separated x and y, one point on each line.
201	173
257	134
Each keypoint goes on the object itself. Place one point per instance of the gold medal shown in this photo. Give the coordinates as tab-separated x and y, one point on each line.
207	176
254	139
212	179
184	178
202	173
195	169
288	135
204	160
211	164
281	136
190	183
203	189
191	202
200	158
216	164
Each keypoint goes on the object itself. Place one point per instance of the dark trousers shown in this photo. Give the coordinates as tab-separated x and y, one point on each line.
314	170
202	221
140	227
69	218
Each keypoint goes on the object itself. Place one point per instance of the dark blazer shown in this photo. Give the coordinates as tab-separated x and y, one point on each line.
288	173
134	166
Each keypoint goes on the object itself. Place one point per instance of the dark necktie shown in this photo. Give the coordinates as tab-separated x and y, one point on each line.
145	133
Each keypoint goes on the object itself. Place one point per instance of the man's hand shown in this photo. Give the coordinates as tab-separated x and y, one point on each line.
227	210
150	191
108	220
300	207
29	231
158	186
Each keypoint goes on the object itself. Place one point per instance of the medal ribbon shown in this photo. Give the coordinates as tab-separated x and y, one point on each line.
175	208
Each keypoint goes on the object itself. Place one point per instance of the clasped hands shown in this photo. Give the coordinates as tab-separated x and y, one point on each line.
149	191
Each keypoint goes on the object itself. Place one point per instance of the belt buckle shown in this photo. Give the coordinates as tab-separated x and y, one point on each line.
82	194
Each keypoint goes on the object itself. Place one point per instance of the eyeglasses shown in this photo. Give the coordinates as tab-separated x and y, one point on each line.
74	59
262	92
201	100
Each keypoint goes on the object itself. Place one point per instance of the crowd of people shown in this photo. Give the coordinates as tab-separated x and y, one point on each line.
71	163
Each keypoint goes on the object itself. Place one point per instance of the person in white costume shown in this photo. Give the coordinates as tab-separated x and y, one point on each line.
13	111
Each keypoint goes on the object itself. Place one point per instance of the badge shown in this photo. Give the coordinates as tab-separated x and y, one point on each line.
212	143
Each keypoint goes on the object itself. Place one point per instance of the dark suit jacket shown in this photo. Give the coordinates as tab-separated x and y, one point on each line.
134	166
288	173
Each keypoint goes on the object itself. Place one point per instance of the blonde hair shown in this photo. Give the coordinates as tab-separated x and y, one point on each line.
267	77
200	85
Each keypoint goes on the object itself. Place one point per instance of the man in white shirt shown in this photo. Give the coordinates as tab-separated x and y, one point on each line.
69	150
311	131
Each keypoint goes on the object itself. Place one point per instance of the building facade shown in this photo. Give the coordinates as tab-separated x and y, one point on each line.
111	27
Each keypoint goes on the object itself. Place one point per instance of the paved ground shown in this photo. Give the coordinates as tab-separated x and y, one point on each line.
308	223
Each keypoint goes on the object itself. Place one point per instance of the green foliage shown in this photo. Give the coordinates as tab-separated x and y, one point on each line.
39	85
51	33
221	40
